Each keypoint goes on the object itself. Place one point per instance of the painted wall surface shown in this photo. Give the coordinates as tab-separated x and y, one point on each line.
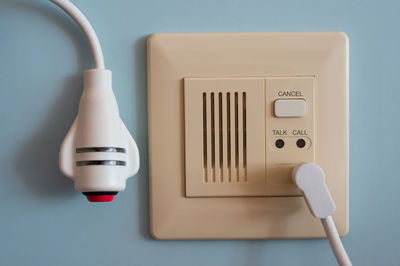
43	54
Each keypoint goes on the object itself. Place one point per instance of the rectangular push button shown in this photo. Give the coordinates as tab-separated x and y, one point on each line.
290	108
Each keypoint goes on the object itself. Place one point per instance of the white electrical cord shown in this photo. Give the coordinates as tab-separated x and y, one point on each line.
310	179
87	29
334	241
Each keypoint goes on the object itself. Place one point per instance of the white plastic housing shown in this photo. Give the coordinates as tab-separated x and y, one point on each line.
98	152
310	178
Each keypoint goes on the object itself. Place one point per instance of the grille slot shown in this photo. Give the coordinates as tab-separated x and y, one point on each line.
101	162
100	149
224	137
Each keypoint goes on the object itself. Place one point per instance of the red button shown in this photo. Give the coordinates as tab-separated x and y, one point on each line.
100	198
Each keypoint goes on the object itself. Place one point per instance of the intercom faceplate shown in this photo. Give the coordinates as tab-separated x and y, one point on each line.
243	136
229	116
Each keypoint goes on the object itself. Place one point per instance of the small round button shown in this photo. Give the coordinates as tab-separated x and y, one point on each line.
279	143
301	143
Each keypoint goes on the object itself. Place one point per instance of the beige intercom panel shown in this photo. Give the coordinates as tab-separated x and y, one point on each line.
230	115
248	133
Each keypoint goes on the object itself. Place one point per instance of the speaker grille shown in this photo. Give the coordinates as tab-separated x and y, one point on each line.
224	137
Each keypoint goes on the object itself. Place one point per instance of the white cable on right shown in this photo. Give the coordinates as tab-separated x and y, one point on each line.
334	241
87	29
310	179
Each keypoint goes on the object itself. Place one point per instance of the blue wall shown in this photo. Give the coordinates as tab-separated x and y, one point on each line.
43	221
